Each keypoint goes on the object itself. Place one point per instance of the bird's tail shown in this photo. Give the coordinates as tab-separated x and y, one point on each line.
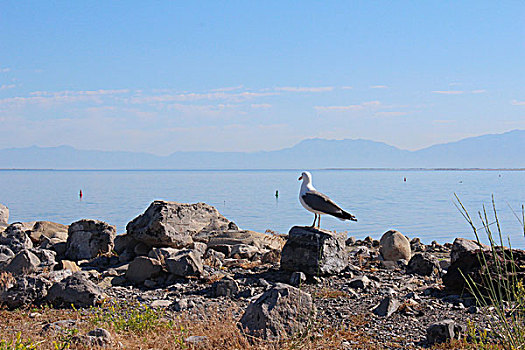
343	215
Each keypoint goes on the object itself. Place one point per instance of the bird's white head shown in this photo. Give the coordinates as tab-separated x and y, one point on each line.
306	177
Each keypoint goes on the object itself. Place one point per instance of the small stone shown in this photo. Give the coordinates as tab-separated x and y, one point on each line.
360	282
424	264
386	307
350	241
226	287
443	331
473	309
160	303
195	339
297	278
150	283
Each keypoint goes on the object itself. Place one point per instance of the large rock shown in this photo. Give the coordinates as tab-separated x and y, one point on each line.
314	252
75	290
185	263
394	246
26	291
15	237
4	215
424	264
24	262
89	238
481	267
280	312
143	268
462	246
174	224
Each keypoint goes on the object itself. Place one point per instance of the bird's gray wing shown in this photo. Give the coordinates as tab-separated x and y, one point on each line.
321	202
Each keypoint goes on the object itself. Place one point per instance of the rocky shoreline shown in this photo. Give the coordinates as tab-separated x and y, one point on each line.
188	258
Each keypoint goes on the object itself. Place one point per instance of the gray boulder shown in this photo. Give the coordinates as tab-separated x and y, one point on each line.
143	268
89	238
424	264
75	290
443	331
462	246
314	252
15	237
280	312
174	224
24	262
27	290
185	263
4	215
394	246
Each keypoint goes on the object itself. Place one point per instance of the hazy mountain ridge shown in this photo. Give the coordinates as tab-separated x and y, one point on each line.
505	150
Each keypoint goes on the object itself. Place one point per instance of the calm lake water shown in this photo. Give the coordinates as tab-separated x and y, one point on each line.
423	206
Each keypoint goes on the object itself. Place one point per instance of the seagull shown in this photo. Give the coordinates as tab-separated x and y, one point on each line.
319	203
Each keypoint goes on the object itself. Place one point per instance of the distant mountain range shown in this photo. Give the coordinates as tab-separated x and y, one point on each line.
505	150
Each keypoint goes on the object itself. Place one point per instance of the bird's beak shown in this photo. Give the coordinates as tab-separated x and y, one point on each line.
300	177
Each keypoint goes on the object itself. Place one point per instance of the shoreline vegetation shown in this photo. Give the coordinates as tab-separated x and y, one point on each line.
199	282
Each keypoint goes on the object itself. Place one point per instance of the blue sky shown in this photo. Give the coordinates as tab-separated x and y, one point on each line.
167	76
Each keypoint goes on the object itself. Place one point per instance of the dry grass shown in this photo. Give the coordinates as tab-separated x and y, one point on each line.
329	293
165	332
135	326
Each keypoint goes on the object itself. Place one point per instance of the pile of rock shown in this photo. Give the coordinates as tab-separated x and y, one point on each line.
173	240
185	256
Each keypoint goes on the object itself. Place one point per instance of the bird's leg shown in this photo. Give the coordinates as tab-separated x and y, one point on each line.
319	222
315	218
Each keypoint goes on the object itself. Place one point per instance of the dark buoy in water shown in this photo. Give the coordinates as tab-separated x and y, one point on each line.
405	179
276	194
80	194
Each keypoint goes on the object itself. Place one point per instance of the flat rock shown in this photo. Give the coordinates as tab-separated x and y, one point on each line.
314	252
